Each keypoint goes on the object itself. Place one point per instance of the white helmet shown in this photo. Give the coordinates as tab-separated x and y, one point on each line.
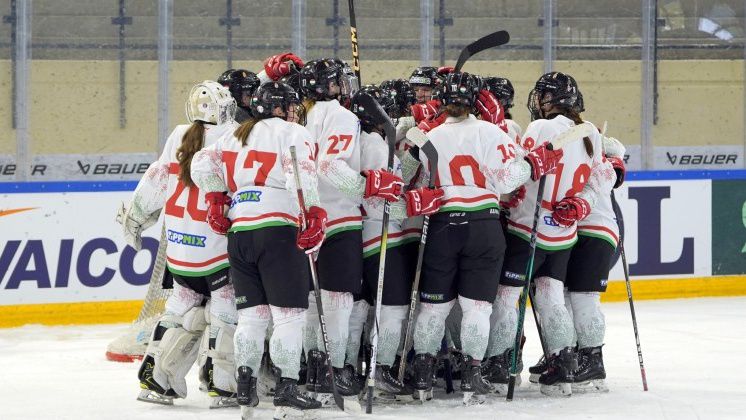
210	102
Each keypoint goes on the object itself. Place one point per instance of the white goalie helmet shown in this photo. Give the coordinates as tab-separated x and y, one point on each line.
210	102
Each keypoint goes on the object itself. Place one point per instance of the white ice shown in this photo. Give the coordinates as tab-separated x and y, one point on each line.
694	353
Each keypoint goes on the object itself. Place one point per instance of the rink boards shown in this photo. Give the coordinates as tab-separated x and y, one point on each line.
63	259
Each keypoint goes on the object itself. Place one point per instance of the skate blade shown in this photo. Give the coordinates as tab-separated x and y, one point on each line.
383	397
149	396
534	378
592	386
423	395
561	389
470	398
351	403
223	402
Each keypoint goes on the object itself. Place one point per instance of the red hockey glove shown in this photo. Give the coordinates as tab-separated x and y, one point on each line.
570	210
432	122
516	198
382	184
489	108
421	112
621	171
442	71
215	212
310	238
543	160
278	65
424	201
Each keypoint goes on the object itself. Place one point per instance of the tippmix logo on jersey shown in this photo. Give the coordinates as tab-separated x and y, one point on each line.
549	221
186	239
246	196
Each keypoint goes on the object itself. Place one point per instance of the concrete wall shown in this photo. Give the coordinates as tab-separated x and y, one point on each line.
75	104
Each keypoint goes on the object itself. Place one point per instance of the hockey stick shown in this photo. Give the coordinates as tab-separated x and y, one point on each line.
380	117
338	400
615	206
526	287
419	139
353	40
544	348
492	40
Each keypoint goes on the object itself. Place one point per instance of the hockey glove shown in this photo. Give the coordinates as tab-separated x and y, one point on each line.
279	65
424	111
382	184
134	223
543	160
570	210
514	199
424	201
216	212
490	110
619	169
444	70
432	122
310	238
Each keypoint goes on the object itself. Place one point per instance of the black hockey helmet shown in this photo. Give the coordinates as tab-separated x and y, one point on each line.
501	88
554	88
293	79
241	83
316	75
459	88
366	121
273	95
425	76
401	94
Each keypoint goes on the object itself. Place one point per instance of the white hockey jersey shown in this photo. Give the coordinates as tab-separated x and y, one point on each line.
514	131
259	176
476	163
575	174
193	249
336	132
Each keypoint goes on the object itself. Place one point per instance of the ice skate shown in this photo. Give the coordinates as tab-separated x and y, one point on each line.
388	389
246	387
151	391
290	402
497	371
536	370
590	375
473	384
557	380
222	399
424	371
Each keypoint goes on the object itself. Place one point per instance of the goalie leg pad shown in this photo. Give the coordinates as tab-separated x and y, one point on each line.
221	355
557	326
503	320
590	323
286	343
475	326
180	347
357	323
430	325
248	340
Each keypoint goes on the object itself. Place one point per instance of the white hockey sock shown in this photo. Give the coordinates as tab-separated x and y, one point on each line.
337	310
590	323
429	327
453	326
249	338
182	299
475	326
357	323
311	332
568	305
555	321
285	346
503	320
389	332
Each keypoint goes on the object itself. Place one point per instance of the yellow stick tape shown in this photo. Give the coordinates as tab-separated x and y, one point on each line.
126	311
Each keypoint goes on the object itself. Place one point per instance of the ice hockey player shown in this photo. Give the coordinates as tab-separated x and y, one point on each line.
399	108
504	92
465	243
342	188
250	171
570	193
242	84
196	258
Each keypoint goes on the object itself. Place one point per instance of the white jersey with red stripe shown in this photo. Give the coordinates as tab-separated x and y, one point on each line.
193	249
514	131
476	163
336	132
575	174
259	176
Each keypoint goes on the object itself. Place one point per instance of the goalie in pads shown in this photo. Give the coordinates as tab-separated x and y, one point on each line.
196	259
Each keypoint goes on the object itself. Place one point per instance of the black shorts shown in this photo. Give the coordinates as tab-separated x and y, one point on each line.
463	254
546	263
588	268
268	268
203	284
398	276
340	263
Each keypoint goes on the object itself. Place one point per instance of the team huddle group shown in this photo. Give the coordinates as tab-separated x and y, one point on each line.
239	241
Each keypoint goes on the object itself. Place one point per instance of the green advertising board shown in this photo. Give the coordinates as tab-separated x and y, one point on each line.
728	227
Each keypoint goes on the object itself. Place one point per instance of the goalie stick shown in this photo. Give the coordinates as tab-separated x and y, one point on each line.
338	400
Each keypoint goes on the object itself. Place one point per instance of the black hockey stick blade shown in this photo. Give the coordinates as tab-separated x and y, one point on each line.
492	40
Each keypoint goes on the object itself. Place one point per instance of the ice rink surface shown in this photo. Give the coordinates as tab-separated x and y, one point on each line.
694	352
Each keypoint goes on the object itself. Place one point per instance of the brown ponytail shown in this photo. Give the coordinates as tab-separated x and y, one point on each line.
243	131
191	143
456	110
575	117
308	103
